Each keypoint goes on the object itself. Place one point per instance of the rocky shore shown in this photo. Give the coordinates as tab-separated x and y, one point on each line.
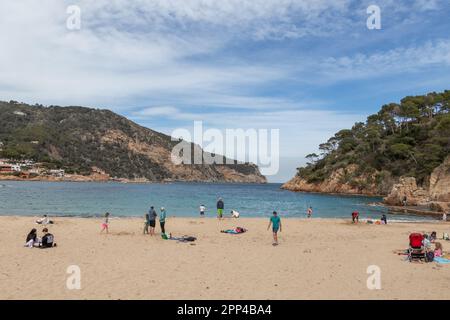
433	198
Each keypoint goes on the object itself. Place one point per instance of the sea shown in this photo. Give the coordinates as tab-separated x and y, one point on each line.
92	199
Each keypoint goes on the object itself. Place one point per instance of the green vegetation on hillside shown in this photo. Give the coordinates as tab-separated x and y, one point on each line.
73	138
409	138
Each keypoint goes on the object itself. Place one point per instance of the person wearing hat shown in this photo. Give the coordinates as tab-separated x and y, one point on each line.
162	220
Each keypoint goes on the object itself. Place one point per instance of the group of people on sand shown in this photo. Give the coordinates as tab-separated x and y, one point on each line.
150	221
47	240
430	239
355	218
151	216
220	206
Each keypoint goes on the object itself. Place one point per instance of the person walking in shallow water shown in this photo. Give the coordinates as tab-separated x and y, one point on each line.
309	212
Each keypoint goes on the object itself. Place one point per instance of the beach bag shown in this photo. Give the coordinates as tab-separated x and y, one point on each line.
430	256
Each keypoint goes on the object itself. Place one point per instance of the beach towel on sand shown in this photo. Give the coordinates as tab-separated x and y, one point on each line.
183	239
441	260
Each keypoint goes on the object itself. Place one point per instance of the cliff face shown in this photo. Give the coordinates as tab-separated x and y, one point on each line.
78	139
440	182
437	196
337	182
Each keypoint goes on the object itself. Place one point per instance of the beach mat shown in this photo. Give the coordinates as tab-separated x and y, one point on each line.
441	260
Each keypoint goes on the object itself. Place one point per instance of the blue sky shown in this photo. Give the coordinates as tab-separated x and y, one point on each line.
306	67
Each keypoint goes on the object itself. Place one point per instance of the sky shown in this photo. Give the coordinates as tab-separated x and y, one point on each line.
308	67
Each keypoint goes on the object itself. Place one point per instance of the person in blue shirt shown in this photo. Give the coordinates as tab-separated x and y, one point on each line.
275	221
162	220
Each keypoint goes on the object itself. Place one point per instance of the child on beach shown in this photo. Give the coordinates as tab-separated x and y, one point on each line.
275	221
309	212
235	214
162	220
202	210
438	249
146	223
105	223
44	220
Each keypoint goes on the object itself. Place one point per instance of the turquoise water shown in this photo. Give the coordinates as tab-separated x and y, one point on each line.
180	199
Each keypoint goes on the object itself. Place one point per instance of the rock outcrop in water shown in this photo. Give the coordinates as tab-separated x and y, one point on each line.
78	139
335	183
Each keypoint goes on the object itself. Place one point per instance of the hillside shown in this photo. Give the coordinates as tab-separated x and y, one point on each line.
406	139
78	139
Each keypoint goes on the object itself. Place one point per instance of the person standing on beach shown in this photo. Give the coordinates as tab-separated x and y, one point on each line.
220	207
202	210
275	221
152	220
105	224
146	223
162	220
355	216
309	212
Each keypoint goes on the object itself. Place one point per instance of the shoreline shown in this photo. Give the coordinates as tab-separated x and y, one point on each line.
316	259
214	218
18	179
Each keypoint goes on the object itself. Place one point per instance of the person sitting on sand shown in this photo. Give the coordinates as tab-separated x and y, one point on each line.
438	249
383	219
32	239
105	224
355	216
275	221
237	230
433	236
44	220
162	220
47	240
146	223
202	210
152	220
309	212
235	214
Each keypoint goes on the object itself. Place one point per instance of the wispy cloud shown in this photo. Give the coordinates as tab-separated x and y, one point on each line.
231	63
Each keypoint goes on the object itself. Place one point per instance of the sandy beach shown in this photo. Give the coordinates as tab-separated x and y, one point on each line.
316	259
